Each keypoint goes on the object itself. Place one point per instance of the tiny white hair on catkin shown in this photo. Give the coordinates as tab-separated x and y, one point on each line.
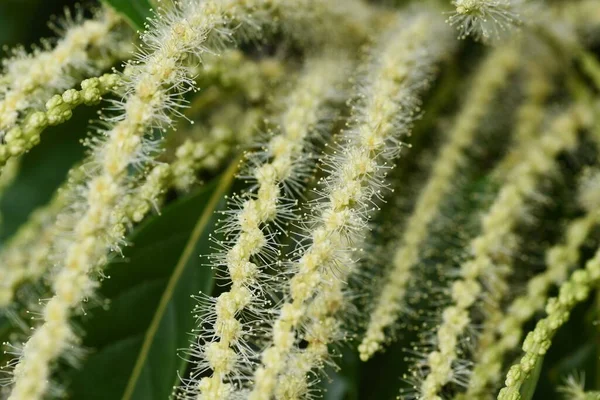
250	247
485	20
402	66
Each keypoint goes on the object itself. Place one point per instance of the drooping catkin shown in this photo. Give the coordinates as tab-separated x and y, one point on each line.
31	251
401	67
152	88
490	78
286	152
30	77
575	290
528	121
322	327
59	109
509	328
489	248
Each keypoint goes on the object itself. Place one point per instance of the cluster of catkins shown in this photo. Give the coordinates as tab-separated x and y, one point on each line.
331	91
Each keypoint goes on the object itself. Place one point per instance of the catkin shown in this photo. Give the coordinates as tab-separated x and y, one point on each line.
286	254
285	151
322	328
508	328
399	70
487	249
45	72
490	78
29	253
149	103
59	109
528	122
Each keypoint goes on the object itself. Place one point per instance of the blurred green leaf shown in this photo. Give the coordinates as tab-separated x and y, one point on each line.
381	378
530	384
150	315
342	382
4	326
5	329
135	11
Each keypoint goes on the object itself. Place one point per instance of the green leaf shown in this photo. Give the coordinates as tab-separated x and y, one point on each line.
342	382
5	329
135	11
528	388
4	326
135	341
